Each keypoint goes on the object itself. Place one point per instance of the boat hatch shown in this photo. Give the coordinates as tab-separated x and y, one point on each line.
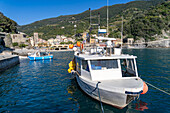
128	68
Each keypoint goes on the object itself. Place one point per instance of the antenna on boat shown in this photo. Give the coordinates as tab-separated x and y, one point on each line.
107	17
122	33
98	20
90	17
90	25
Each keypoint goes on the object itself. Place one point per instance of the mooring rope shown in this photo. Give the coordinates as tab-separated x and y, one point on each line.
158	88
99	97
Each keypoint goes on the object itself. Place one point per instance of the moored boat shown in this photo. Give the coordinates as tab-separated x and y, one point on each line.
112	79
107	75
40	56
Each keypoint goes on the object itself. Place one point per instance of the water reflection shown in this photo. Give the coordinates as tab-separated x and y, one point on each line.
137	106
141	106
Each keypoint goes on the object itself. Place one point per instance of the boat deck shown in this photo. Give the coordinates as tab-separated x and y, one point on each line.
119	85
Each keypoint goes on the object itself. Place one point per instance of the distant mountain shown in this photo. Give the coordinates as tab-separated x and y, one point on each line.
64	25
7	25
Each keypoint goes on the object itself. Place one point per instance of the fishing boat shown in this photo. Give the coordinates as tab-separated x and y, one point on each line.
111	78
108	75
40	56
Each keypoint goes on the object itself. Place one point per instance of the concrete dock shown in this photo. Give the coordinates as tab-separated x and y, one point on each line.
8	61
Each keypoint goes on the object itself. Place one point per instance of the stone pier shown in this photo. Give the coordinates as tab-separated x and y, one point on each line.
8	61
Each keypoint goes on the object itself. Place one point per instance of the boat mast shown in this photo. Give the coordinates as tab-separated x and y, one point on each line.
90	16
98	23
122	33
90	25
107	17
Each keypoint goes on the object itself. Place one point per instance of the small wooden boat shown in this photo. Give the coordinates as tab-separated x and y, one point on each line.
40	56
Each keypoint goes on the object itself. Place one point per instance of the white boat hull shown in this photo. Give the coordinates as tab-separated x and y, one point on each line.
119	100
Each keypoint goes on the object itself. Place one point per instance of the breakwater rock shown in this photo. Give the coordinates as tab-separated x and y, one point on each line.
159	44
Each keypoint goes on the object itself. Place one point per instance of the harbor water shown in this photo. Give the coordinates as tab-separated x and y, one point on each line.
46	86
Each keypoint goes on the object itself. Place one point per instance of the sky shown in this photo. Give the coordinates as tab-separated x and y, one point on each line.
28	11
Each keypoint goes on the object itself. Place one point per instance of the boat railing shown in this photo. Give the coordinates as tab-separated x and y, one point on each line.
102	50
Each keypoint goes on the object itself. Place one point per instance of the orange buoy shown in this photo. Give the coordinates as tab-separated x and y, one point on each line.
71	46
145	88
78	44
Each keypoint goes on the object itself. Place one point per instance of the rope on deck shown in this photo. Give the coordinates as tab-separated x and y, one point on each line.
99	97
158	88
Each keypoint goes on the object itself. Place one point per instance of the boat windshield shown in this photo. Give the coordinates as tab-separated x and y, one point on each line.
104	64
128	68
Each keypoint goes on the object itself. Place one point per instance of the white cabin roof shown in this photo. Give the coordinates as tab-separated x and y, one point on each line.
98	57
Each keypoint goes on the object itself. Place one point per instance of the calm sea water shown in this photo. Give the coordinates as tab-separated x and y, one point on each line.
45	86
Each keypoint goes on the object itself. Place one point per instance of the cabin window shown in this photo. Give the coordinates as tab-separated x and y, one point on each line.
85	65
128	68
104	64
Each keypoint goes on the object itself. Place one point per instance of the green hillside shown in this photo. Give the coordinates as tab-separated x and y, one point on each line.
7	25
53	26
142	23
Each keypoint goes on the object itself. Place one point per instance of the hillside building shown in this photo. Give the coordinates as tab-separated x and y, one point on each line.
31	41
35	39
20	38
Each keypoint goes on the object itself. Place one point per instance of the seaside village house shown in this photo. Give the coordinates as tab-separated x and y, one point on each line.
71	40
38	42
36	39
20	38
31	41
59	39
51	42
130	42
65	40
85	37
42	43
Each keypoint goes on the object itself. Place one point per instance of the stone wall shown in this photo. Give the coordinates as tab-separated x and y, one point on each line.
8	40
7	62
160	43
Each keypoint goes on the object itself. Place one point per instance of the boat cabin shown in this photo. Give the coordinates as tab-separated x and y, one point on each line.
39	54
96	67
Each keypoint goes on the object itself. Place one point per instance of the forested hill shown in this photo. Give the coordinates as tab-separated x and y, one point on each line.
7	25
64	25
150	23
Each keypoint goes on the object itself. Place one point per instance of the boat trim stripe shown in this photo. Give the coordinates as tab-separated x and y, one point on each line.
128	92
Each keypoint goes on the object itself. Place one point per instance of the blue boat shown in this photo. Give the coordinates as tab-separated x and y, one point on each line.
39	56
